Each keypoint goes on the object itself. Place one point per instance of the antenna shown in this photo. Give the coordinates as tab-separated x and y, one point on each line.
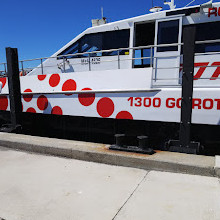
190	3
102	13
171	4
97	22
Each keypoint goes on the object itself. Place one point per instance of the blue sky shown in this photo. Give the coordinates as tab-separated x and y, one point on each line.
39	28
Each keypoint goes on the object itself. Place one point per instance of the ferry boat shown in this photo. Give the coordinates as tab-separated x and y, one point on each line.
126	77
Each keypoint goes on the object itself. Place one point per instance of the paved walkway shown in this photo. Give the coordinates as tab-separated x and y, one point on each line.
34	187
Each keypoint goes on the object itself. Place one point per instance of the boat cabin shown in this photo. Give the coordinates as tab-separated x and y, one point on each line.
151	41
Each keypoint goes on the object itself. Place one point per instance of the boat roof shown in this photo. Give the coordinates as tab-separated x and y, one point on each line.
127	23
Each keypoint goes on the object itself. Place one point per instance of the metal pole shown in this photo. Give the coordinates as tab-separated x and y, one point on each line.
14	90
64	66
187	85
42	70
22	68
184	144
89	63
118	59
151	57
5	68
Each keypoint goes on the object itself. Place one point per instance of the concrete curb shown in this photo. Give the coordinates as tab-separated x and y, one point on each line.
161	161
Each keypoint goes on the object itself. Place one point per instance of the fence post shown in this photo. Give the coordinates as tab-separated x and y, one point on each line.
187	85
14	91
184	144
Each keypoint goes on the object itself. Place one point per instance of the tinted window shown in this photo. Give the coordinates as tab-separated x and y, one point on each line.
144	36
115	40
168	33
100	41
208	31
91	43
73	49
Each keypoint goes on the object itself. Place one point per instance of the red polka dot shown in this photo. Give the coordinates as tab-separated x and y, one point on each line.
41	77
105	107
54	80
3	103
32	110
69	85
86	99
27	98
124	115
56	110
42	102
3	80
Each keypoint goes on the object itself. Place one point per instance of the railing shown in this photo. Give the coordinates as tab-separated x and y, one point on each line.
215	65
89	55
119	58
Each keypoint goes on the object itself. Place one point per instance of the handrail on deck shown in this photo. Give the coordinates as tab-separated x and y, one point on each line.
89	55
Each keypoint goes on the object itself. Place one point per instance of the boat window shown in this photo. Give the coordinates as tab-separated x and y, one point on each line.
91	43
73	49
208	31
115	40
168	33
100	41
144	36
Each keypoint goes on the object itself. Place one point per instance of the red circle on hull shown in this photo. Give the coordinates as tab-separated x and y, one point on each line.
69	85
54	80
86	99
27	98
105	107
42	102
56	110
124	115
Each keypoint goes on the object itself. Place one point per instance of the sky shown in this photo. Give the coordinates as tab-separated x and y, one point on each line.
38	28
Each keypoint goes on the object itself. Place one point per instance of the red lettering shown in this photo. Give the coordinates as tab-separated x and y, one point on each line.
218	103
170	103
210	106
201	70
156	102
147	104
131	99
178	103
212	11
138	99
196	103
217	71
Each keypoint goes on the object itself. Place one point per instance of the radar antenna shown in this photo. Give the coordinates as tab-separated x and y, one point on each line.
155	8
171	4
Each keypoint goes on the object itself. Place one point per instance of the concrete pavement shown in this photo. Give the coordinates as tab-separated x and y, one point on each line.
161	161
34	186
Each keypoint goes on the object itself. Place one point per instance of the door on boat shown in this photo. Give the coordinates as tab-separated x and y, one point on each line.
144	41
166	71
